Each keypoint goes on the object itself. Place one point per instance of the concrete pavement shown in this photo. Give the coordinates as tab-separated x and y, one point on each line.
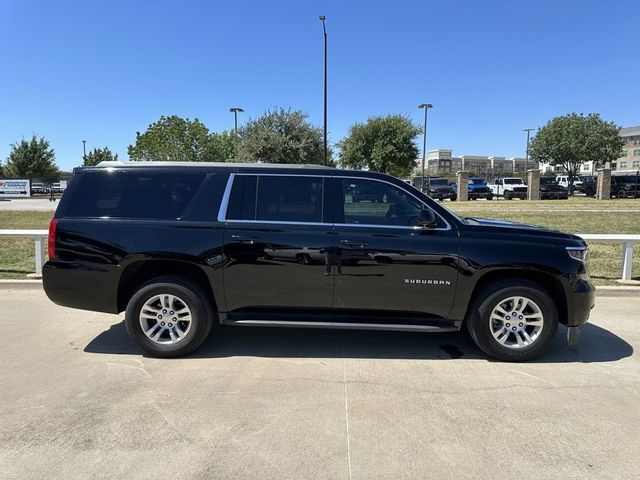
79	401
41	204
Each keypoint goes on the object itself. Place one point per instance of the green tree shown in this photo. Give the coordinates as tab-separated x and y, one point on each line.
281	136
98	155
32	159
383	144
221	147
1	170
172	139
573	139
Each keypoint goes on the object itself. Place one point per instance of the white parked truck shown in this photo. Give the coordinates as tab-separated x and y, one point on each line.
509	187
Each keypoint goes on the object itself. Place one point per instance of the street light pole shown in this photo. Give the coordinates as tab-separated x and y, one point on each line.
526	160
235	111
426	107
324	30
84	149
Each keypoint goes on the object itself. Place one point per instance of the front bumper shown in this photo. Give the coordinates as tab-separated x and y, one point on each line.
480	195
583	299
554	195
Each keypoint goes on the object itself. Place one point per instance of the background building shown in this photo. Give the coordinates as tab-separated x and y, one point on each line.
441	161
631	158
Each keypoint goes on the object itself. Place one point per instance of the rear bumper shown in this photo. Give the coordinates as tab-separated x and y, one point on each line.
70	284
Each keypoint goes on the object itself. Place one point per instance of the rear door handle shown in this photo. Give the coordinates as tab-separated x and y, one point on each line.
244	239
353	243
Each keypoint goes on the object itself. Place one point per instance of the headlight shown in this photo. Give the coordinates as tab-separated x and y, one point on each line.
582	255
579	253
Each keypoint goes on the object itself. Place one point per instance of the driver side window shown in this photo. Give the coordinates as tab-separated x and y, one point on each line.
369	202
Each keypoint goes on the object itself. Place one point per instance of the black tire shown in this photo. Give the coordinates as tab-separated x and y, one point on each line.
589	192
489	197
621	194
479	323
507	195
189	293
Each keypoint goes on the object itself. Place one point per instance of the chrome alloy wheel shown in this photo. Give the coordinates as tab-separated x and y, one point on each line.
165	319
516	322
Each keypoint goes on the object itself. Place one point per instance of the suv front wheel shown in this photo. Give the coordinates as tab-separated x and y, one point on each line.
169	317
513	321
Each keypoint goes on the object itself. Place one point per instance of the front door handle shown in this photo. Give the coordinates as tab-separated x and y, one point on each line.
353	243
248	239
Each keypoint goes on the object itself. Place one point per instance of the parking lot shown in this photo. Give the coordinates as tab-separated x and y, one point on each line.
79	401
39	204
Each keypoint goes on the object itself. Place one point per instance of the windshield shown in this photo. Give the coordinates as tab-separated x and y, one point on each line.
547	180
476	181
438	181
513	181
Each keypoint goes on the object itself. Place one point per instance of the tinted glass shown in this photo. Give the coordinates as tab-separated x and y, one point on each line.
439	181
276	198
242	201
133	195
369	202
289	199
625	178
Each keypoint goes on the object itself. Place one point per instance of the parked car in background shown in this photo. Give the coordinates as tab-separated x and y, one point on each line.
38	187
625	184
439	188
509	187
589	185
564	181
551	190
477	189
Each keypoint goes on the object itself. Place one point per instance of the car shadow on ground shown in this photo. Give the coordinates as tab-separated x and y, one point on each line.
596	344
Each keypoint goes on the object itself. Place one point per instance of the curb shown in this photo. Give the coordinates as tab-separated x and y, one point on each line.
614	291
610	291
20	285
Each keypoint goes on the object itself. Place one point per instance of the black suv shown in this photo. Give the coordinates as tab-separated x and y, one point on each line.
439	188
552	190
625	185
182	246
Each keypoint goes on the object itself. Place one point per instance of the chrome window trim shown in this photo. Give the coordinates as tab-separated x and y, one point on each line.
224	204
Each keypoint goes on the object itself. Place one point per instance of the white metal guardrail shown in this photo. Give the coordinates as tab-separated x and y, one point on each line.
627	241
40	237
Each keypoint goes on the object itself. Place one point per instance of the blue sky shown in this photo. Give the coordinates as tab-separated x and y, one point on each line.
101	71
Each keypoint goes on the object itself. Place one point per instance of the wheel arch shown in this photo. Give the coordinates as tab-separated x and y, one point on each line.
140	272
545	281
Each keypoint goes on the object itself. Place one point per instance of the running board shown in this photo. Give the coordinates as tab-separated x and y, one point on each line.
339	325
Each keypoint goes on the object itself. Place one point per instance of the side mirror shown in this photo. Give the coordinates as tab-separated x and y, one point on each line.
427	220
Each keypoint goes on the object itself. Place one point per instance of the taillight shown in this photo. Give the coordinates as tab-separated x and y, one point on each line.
53	229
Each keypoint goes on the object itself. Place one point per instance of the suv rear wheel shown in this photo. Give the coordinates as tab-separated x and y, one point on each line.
169	317
513	321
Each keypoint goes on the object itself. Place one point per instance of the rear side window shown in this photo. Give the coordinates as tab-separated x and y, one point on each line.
161	196
276	198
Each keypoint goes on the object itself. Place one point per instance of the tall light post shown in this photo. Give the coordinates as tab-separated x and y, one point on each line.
84	151
235	111
426	107
526	159
324	30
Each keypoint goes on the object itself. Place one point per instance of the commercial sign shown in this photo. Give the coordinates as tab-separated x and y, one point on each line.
15	188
